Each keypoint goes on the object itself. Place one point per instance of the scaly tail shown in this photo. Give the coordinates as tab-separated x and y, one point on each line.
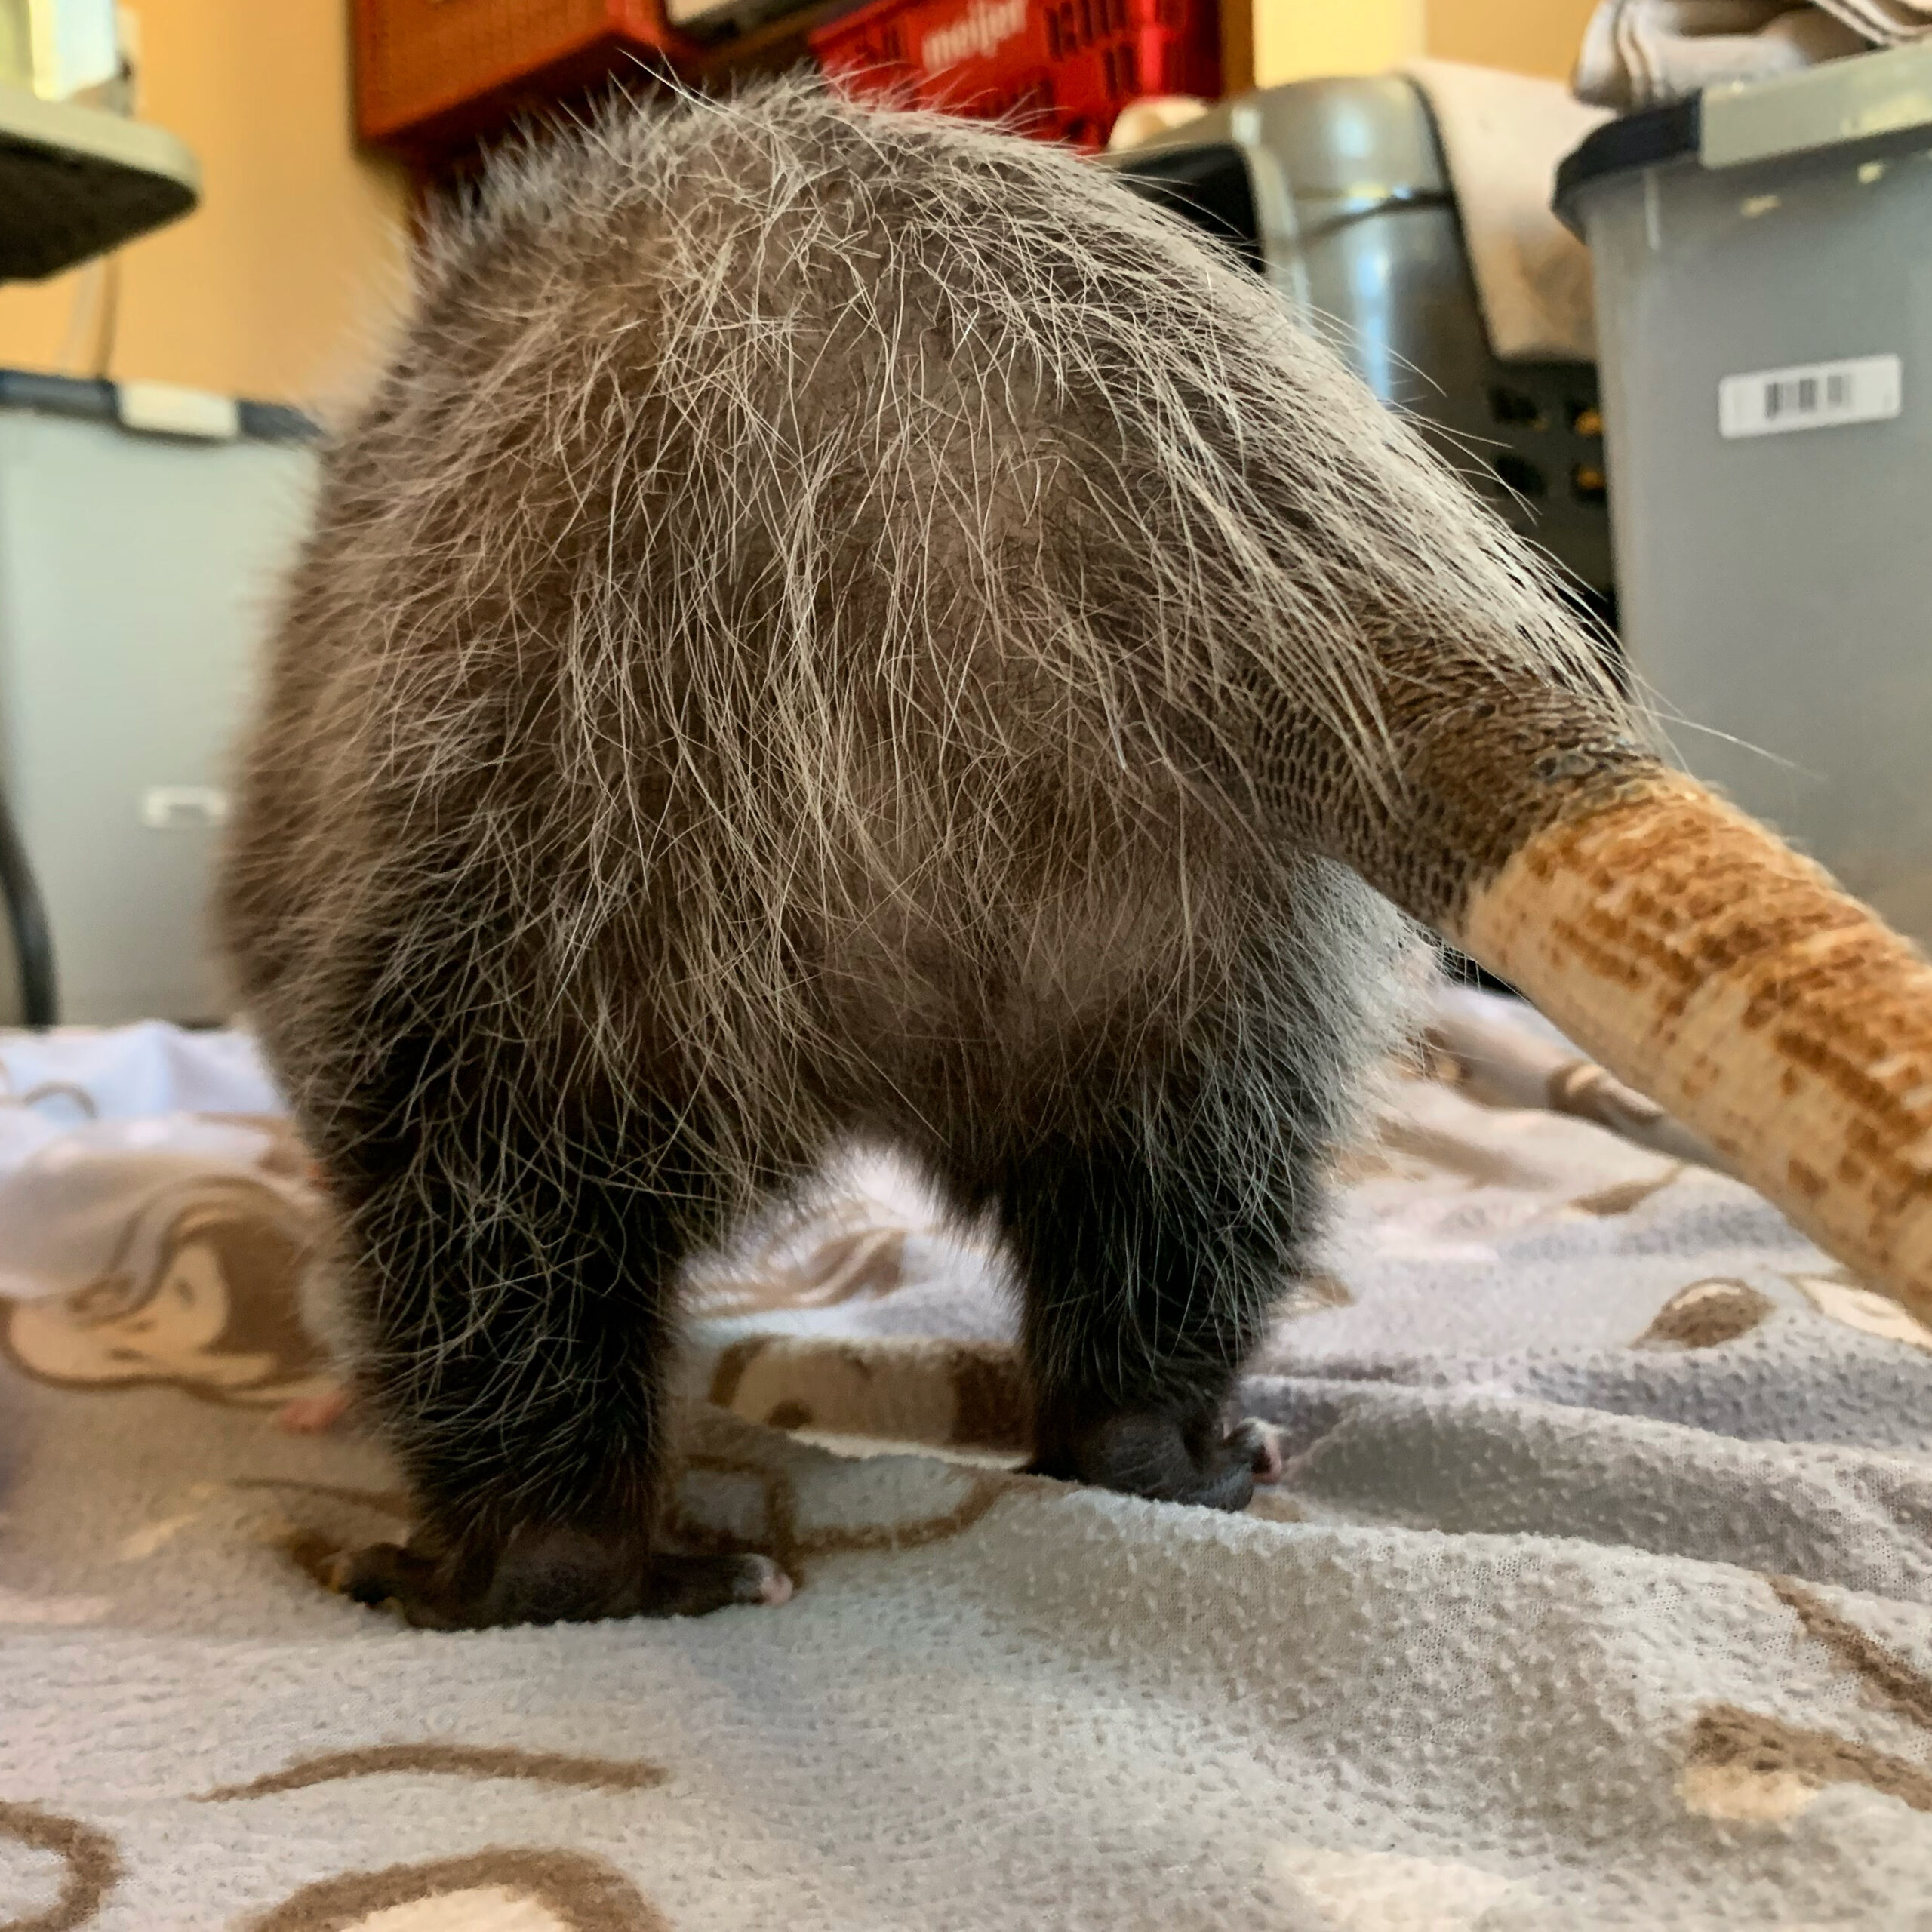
1703	960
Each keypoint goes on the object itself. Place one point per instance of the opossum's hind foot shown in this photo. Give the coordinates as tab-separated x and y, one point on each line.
1168	1457
552	1576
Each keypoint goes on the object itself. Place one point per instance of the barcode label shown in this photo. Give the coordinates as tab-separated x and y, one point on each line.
1812	395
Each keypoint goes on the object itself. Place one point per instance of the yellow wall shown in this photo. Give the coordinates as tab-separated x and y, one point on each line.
1528	36
1297	39
1300	39
271	287
274	287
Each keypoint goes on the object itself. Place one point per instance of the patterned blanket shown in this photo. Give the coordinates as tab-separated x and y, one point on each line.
1598	1591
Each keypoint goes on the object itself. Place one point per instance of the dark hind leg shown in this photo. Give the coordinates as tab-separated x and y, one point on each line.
1152	1239
512	1243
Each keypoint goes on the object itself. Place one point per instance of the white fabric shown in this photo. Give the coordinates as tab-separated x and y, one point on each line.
1643	53
1597	1593
1502	136
99	1130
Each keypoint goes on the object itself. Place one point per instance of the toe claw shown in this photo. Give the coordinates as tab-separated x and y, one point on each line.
770	1584
1261	1442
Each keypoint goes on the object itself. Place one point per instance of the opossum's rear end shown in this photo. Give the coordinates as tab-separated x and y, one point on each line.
845	622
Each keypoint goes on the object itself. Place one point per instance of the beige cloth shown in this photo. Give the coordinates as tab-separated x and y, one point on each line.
1643	53
1502	136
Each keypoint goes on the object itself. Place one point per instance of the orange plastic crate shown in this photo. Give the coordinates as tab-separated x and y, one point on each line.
431	76
1062	69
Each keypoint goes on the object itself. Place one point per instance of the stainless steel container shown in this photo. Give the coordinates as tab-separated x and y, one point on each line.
1337	192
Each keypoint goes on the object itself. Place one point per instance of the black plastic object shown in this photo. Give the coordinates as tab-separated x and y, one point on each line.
278	423
1208	187
27	923
62	204
1641	140
59	396
98	400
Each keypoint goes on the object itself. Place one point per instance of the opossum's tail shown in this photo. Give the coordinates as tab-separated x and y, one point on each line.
1684	946
1704	961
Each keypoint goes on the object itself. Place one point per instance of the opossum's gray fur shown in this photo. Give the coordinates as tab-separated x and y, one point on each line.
840	622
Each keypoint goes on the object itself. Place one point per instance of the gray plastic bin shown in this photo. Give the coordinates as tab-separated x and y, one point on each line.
136	569
1763	259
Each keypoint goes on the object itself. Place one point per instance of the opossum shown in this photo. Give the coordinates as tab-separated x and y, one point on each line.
843	622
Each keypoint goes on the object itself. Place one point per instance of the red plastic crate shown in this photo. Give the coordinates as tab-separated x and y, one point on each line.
433	75
1062	69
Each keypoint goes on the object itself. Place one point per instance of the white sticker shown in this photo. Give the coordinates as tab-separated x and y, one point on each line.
182	807
166	409
1810	395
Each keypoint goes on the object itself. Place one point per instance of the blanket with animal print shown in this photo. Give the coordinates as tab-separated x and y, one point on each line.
1597	1592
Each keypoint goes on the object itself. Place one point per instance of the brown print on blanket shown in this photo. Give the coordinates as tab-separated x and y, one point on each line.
901	1389
556	1890
466	1760
1747	1767
719	1447
1706	1313
91	1865
543	1890
553	1890
861	1262
202	1292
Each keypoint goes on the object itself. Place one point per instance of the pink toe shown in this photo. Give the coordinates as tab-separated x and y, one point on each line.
311	1415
